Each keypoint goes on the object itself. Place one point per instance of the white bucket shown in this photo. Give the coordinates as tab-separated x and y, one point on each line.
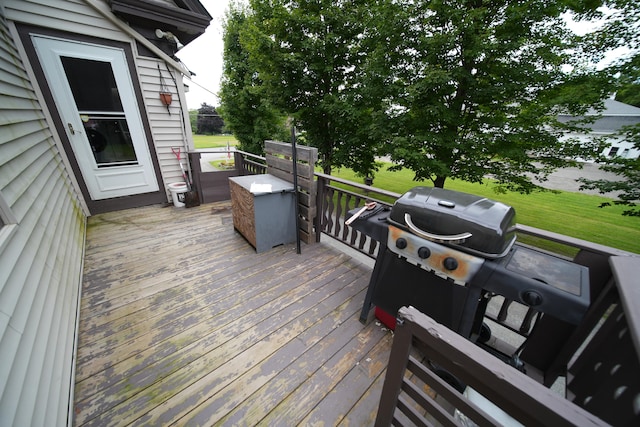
178	190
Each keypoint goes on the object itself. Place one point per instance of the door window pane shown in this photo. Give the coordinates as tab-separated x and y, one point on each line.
92	84
110	140
95	92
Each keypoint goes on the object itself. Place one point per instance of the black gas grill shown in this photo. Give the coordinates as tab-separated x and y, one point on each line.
444	252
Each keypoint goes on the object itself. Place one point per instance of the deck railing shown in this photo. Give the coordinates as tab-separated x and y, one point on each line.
335	198
550	349
436	377
249	164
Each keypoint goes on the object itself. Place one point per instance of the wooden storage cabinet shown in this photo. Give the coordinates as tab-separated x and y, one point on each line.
263	210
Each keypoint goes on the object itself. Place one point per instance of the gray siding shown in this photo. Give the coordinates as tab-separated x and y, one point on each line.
167	127
40	261
74	16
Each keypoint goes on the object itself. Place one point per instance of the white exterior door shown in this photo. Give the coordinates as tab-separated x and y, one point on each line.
94	95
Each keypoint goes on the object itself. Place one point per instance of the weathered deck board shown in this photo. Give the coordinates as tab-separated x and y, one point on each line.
182	322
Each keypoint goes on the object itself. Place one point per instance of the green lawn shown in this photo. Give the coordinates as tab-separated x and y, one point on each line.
225	164
213	141
571	214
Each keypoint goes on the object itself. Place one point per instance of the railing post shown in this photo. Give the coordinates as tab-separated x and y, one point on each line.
196	172
393	379
238	162
322	184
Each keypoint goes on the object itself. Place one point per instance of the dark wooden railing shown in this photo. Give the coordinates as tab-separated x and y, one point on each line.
249	164
436	377
335	198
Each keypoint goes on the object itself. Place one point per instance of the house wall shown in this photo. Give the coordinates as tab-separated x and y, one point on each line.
609	125
89	17
41	249
168	125
43	215
75	16
624	148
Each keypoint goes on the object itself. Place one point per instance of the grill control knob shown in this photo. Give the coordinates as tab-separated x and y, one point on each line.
450	263
532	298
401	243
424	252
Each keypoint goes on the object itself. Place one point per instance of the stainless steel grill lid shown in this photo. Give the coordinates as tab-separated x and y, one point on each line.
471	223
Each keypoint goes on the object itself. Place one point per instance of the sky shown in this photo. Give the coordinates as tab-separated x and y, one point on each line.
203	56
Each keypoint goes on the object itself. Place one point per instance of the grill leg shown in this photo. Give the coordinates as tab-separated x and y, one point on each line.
366	306
472	306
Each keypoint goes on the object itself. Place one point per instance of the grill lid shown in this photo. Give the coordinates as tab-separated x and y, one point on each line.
470	223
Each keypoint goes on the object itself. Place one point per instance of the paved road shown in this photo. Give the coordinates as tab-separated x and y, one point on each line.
565	179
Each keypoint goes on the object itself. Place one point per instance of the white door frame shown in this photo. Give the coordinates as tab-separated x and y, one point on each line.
102	182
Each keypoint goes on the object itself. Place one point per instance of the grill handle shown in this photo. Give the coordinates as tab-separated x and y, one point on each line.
453	238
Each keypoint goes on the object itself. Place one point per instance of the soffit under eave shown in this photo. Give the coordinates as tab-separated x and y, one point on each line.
187	25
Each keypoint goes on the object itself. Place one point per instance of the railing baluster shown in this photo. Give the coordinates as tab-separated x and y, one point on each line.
346	229
362	242
372	246
339	219
330	206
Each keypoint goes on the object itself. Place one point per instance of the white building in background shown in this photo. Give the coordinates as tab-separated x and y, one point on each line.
615	116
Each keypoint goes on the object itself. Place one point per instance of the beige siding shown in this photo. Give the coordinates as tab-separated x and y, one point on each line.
166	124
40	262
65	15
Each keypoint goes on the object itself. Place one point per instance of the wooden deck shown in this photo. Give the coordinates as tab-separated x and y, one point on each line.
183	323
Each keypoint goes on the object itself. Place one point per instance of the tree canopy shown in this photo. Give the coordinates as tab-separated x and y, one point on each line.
446	88
629	91
477	86
247	111
208	120
622	29
308	55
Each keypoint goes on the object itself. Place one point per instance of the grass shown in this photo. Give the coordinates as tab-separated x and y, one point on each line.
213	141
222	164
572	214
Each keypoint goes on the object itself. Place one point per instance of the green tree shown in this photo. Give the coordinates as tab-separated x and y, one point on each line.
309	55
474	88
621	29
208	120
628	170
629	92
247	111
193	120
